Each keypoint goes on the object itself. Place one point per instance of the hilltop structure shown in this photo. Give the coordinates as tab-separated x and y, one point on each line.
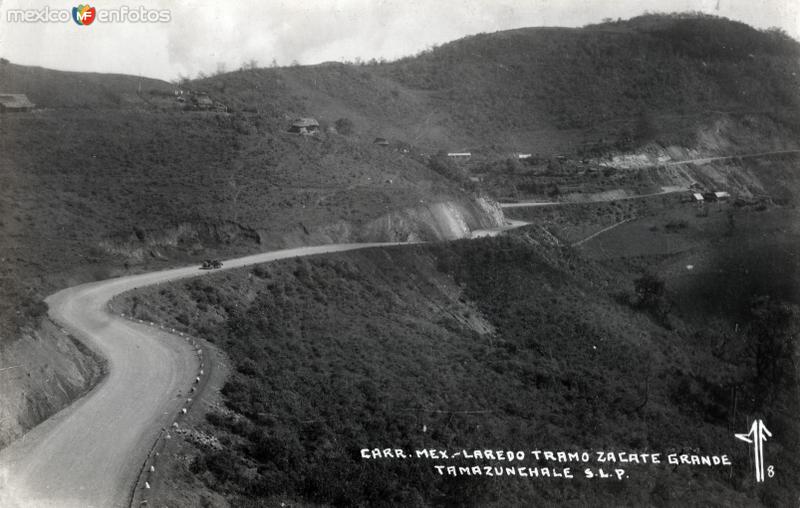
202	101
15	103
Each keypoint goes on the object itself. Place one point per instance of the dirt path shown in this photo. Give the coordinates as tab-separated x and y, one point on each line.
593	235
89	454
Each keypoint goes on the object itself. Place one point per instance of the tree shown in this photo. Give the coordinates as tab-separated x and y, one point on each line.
344	126
646	127
445	166
512	166
649	290
773	325
651	297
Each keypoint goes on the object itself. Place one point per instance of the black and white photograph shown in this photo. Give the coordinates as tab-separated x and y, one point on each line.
399	253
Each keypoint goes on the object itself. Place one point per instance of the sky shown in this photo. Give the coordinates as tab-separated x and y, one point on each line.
207	36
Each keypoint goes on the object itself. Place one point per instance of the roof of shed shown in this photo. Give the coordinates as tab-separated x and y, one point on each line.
15	100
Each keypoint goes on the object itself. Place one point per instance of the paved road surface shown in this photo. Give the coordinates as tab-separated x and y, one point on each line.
89	454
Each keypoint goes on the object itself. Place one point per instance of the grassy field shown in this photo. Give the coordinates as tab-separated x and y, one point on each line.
575	221
505	342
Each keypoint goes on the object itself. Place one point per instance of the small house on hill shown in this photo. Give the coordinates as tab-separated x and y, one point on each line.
716	196
304	126
381	142
202	101
15	103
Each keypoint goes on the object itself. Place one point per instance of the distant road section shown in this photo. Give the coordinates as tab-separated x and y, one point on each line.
703	160
528	204
706	160
634	162
89	454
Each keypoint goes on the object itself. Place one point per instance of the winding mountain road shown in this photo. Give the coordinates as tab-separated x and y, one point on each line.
89	454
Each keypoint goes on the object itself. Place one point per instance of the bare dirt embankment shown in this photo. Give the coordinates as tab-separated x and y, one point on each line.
439	218
42	371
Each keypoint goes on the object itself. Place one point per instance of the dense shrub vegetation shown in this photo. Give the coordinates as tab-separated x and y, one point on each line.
626	71
500	341
149	186
506	342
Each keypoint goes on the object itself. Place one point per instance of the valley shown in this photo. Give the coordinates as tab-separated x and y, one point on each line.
576	239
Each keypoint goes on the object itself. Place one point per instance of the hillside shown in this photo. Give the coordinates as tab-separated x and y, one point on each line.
602	79
516	343
102	187
78	90
129	174
547	90
626	95
112	174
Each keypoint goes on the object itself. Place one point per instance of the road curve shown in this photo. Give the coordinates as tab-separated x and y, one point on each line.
89	454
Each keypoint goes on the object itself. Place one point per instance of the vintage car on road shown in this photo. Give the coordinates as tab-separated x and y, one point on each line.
210	264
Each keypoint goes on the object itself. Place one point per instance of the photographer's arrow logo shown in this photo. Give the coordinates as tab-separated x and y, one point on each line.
757	436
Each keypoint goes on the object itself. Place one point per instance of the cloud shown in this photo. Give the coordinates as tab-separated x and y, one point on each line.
205	33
